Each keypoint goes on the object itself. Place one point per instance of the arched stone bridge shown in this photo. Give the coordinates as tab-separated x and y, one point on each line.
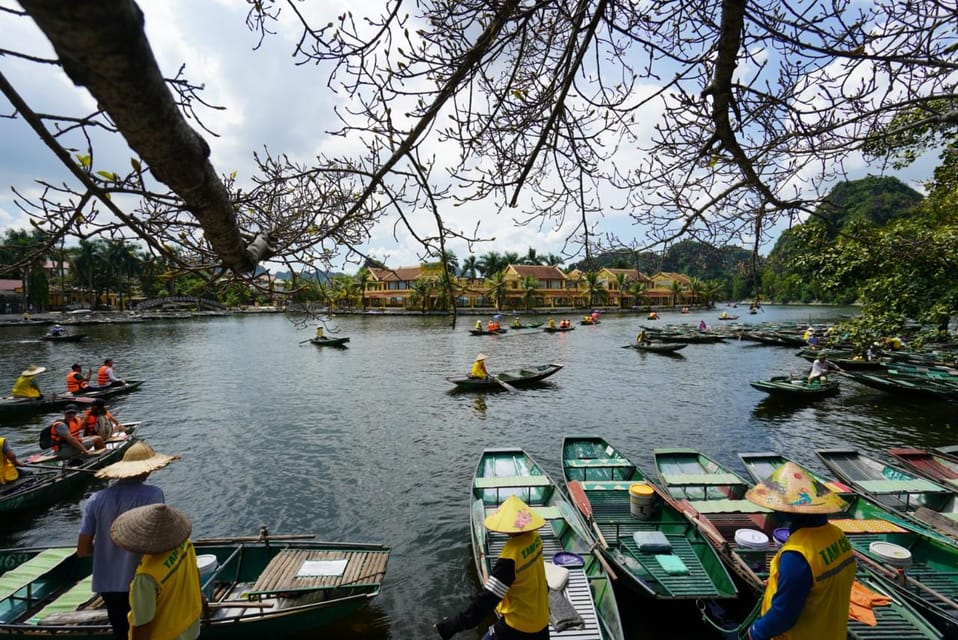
181	301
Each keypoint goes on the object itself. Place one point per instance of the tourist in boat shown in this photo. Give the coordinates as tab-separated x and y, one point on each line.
808	333
165	596
517	587
478	325
820	368
9	464
479	367
703	326
493	325
106	377
552	323
68	439
56	330
724	315
642	338
26	385
810	578
516	324
113	567
77	382
98	421
654	316
813	341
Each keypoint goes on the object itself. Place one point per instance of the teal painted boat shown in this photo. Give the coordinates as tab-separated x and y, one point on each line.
525	376
598	479
329	342
50	480
896	488
930	583
797	388
501	473
254	591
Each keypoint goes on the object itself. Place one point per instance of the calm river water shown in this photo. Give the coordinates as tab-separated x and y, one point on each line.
368	443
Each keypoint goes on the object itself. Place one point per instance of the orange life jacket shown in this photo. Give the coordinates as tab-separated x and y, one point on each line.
74	385
76	430
90	422
102	377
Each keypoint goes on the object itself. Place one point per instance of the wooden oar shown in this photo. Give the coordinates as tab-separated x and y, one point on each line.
58	469
505	385
570	517
585	506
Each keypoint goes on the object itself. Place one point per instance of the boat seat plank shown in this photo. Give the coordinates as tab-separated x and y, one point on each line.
899	486
502	482
726	506
700	479
363	567
607	485
19	577
599	462
71	600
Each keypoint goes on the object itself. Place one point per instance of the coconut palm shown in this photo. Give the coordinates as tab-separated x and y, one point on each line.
678	290
421	290
622	283
498	286
530	290
593	287
532	257
491	263
470	267
362	281
636	290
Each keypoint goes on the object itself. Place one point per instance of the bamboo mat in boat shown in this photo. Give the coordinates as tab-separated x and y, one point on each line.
363	567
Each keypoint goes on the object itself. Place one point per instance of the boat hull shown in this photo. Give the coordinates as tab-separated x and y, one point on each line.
526	376
24	406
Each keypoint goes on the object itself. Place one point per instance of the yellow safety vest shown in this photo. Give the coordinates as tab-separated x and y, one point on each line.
526	605
179	602
23	388
8	472
832	560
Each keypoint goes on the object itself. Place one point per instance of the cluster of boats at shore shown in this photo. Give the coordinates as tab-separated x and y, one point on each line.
690	534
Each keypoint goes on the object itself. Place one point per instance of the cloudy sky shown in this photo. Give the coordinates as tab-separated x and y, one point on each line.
270	102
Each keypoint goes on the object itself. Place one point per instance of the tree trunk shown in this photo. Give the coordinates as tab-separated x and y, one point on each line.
102	47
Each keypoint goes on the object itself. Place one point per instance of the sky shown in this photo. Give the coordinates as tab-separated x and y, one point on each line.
270	102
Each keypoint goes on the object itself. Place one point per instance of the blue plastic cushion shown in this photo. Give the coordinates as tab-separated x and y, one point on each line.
652	542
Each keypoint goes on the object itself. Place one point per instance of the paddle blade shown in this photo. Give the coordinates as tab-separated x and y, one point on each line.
578	496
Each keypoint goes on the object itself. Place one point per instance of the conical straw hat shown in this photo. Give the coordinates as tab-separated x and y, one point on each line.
514	516
481	356
154	528
792	489
139	459
33	370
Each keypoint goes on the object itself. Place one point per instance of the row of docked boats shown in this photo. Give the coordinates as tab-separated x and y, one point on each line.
11	406
257	586
690	534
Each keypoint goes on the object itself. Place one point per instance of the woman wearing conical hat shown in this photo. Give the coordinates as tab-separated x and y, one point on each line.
810	578
26	385
516	589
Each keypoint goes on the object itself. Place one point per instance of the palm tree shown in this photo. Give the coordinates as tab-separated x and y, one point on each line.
509	258
422	288
622	283
490	264
531	257
498	286
530	290
470	266
594	288
636	289
678	290
362	281
553	260
450	262
713	290
87	266
696	289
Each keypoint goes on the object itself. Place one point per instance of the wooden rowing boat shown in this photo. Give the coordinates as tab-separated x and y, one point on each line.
598	478
532	325
906	386
930	584
486	332
56	479
329	342
523	377
895	488
501	473
71	337
667	348
255	591
24	406
940	467
558	329
800	388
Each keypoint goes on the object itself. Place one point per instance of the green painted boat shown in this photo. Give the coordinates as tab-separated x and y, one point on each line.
667	348
895	488
329	342
940	467
10	406
930	583
798	388
254	592
598	478
51	480
558	329
501	473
